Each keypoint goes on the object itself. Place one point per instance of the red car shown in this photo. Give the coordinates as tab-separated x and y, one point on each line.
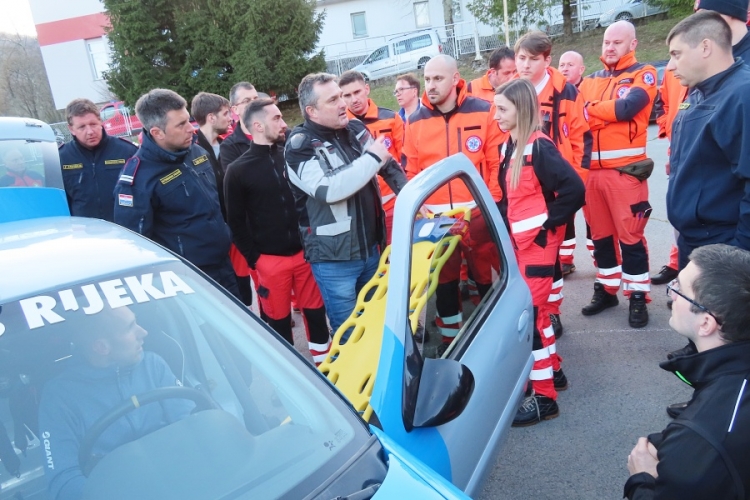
118	119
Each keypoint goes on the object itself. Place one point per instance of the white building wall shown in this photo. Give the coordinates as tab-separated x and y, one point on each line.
71	75
46	11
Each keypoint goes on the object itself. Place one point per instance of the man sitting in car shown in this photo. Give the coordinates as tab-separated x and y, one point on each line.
109	367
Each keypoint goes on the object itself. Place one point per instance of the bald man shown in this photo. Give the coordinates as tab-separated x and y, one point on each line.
619	100
572	67
431	135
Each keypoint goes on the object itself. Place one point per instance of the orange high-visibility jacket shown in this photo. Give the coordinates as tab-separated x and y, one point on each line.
383	121
470	129
564	121
619	101
482	88
673	93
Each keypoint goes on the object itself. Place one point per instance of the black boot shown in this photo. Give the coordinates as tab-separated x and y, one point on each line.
666	275
600	301
556	325
534	409
638	317
559	380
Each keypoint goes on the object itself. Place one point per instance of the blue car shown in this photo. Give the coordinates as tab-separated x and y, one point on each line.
127	373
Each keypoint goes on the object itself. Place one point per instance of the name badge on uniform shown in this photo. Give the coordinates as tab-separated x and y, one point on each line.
200	159
74	166
115	162
125	200
170	177
684	105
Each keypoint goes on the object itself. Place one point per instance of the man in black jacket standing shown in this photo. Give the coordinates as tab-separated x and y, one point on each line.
211	111
703	453
236	143
261	213
91	162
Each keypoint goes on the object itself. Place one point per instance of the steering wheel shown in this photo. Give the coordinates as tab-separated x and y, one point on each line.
86	458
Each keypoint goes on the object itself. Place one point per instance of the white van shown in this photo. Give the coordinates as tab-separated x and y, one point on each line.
401	54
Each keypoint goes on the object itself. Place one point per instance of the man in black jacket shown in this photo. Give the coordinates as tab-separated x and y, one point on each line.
703	453
241	94
261	213
167	192
211	111
91	162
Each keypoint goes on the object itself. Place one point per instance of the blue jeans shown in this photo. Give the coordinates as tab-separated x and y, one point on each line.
340	281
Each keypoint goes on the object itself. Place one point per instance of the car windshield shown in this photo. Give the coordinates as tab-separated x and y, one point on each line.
25	163
154	384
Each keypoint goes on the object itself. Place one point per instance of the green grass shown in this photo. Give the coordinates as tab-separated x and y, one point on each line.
651	47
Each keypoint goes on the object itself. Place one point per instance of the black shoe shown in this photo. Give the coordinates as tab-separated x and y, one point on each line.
600	301
685	351
676	409
534	409
556	325
666	275
559	380
638	317
568	268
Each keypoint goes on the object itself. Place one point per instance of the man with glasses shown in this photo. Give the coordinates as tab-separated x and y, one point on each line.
238	142
703	453
407	95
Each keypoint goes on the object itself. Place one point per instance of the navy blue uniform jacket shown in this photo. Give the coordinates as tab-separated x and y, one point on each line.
172	199
708	199
90	175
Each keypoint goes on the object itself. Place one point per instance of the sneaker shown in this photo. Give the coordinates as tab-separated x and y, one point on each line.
638	317
600	301
534	409
685	351
666	275
675	410
568	268
556	325
559	380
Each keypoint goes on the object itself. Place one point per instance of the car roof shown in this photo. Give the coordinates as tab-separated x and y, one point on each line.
13	128
53	252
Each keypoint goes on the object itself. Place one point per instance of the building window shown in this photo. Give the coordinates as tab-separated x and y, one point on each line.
99	56
359	26
422	14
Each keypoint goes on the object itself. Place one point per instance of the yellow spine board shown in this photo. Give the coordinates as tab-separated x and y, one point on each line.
352	366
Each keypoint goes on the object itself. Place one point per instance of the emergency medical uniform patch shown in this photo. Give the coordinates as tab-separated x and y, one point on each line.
622	92
565	129
648	78
473	144
387	142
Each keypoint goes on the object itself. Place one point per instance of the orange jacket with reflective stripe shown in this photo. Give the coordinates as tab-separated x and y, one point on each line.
383	121
470	129
673	93
482	88
564	120
619	101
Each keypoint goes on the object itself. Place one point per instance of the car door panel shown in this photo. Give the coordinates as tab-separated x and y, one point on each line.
496	353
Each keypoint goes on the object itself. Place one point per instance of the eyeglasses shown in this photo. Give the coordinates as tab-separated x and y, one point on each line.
674	287
246	100
398	91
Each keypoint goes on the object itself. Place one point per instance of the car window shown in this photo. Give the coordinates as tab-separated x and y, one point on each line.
410	44
274	426
29	164
458	264
107	113
379	55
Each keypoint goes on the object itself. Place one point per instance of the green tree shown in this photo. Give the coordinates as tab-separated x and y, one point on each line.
191	46
524	13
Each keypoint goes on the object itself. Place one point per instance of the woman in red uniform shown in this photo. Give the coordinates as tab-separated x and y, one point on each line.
541	191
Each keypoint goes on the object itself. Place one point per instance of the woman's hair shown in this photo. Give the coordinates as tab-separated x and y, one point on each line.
521	93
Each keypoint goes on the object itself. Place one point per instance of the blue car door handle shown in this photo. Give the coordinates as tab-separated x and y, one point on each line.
523	322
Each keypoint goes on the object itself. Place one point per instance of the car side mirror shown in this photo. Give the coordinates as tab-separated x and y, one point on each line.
435	390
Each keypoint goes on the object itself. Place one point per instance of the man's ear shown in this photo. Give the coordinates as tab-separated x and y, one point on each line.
101	347
156	133
708	326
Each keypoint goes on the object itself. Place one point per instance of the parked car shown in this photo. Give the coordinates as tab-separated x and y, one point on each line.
401	54
118	119
634	9
34	143
266	423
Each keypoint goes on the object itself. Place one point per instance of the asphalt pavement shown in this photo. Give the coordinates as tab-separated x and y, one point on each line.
617	391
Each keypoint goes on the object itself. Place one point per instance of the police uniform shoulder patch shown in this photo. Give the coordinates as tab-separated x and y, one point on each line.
127	176
649	78
297	140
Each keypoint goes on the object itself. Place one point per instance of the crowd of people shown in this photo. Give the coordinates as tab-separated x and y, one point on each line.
304	215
